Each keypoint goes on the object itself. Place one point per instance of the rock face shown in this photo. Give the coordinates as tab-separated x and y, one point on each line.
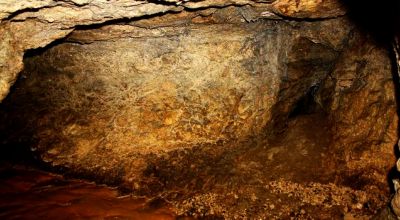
33	24
310	9
234	112
158	90
203	107
357	100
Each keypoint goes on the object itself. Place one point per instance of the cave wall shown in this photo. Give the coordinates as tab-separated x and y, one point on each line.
210	101
33	24
196	100
158	90
363	108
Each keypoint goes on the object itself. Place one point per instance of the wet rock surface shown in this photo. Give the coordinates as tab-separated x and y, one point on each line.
27	193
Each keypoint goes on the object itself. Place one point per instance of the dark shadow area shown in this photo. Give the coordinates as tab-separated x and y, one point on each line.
15	143
16	151
381	19
38	52
307	104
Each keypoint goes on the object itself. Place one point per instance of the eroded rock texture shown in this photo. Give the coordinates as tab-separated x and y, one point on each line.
32	24
236	111
214	114
357	101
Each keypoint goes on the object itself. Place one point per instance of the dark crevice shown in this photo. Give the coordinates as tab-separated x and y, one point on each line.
307	104
287	18
16	13
41	50
158	2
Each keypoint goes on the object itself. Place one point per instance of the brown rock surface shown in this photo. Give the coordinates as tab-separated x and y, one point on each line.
55	19
158	90
192	107
309	8
217	108
32	24
363	90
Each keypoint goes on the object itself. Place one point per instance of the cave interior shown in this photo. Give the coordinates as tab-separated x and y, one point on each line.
231	111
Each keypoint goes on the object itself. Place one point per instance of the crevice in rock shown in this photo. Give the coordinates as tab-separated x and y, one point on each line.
308	104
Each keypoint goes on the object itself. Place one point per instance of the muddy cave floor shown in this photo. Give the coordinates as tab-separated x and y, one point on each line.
291	178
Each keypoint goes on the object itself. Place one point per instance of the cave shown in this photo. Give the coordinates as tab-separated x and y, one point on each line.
199	109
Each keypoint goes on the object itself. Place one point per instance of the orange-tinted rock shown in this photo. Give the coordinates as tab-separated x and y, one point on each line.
170	88
217	110
209	107
309	8
363	109
47	21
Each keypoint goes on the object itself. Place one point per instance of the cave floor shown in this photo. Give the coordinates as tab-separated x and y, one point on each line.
286	178
293	176
27	193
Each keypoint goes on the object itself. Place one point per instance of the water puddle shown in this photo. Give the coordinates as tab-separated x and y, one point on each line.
33	194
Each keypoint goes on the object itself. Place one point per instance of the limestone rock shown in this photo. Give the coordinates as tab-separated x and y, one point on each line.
309	8
9	7
62	16
137	99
